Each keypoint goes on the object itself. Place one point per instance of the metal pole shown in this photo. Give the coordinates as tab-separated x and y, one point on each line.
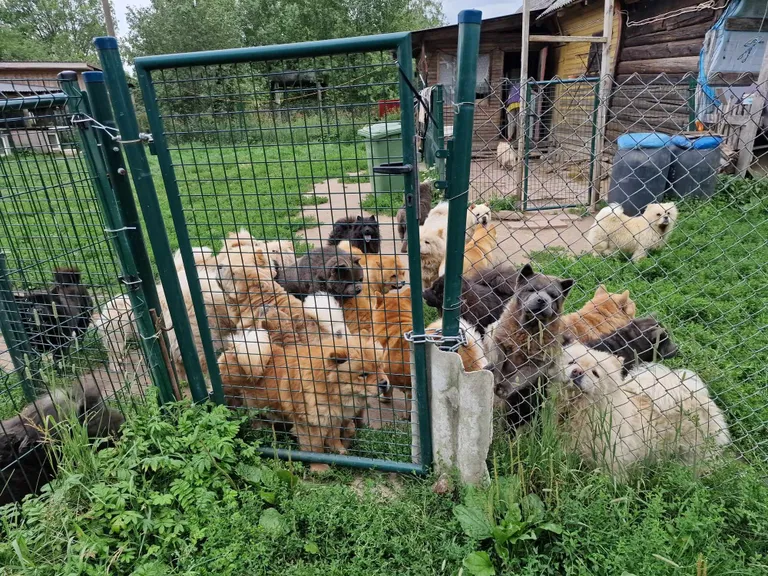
522	113
108	17
461	158
16	337
606	82
150	206
100	165
749	131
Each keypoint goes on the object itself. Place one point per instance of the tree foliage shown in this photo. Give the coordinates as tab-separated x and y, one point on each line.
50	29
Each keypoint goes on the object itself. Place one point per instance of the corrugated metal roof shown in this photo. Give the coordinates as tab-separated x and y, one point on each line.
554	6
537	5
22	87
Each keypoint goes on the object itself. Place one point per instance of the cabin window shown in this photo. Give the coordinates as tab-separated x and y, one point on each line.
595	58
446	75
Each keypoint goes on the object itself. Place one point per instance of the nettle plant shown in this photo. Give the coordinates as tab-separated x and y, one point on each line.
507	520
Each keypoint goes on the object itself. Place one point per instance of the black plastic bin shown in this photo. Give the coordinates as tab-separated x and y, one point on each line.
640	171
694	166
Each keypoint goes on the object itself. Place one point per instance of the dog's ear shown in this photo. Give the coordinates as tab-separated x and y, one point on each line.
630	308
526	272
338	356
359	219
440	233
566	284
601	291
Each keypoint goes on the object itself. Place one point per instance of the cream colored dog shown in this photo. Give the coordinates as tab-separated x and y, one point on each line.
614	231
616	423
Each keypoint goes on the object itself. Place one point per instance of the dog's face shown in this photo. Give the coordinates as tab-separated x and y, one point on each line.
434	296
385	273
356	361
662	217
612	306
588	373
367	228
432	244
655	342
242	264
281	252
482	214
540	297
342	275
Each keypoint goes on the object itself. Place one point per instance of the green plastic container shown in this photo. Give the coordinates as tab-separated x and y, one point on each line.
383	145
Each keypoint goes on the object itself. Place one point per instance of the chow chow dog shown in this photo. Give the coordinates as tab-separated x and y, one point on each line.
327	269
432	249
478	251
425	205
615	422
614	231
526	342
603	314
361	231
392	318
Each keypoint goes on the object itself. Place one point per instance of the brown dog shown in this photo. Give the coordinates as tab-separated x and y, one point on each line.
602	315
320	389
478	251
392	318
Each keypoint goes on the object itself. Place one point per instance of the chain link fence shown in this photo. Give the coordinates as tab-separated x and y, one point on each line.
661	262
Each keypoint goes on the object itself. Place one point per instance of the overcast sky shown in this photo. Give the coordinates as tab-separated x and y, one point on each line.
451	8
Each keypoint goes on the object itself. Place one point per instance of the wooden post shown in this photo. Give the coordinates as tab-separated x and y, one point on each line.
749	130
523	110
109	24
606	82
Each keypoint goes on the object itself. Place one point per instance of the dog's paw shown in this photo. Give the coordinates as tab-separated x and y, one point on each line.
316	468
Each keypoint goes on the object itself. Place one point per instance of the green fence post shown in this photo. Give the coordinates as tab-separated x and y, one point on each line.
126	251
15	336
461	158
128	126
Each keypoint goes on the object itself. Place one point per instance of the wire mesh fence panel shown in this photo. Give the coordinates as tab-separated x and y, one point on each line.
295	233
60	297
640	321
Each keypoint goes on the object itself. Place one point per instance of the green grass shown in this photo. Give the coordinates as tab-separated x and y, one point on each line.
182	493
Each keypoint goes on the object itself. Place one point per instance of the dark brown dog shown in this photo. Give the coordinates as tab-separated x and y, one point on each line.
525	342
425	205
327	269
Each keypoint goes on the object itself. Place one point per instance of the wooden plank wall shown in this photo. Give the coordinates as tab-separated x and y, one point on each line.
488	117
574	103
644	102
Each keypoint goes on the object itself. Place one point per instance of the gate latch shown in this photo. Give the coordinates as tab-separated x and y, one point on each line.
393	168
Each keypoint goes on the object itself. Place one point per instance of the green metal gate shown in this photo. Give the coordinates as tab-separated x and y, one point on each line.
266	140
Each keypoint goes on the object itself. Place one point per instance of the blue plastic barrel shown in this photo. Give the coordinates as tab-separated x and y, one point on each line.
694	167
640	171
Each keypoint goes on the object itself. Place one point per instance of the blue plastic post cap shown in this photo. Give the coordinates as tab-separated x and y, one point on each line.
105	42
470	17
93	77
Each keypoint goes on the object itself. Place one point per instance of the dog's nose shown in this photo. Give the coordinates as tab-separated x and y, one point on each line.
576	372
383	386
540	301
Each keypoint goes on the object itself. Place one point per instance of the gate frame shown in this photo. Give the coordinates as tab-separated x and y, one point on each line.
109	55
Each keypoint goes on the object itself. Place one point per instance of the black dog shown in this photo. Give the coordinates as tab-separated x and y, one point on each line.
327	269
54	318
25	464
361	231
425	205
642	340
483	295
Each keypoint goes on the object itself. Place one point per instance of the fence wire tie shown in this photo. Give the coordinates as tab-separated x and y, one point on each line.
155	336
457	106
116	230
114	133
130	280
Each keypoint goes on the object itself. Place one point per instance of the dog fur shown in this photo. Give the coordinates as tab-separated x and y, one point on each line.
392	318
616	423
483	295
56	317
26	464
319	390
506	154
326	269
478	251
642	340
425	205
361	231
329	314
432	248
603	314
527	341
614	231
472	353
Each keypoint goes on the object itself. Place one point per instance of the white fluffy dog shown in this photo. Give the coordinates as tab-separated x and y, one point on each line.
614	231
437	219
506	154
432	249
616	423
326	309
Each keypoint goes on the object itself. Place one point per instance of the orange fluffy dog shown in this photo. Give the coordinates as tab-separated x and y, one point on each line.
603	314
391	319
320	389
478	251
382	273
246	277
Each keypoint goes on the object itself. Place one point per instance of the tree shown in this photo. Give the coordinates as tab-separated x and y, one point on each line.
51	29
